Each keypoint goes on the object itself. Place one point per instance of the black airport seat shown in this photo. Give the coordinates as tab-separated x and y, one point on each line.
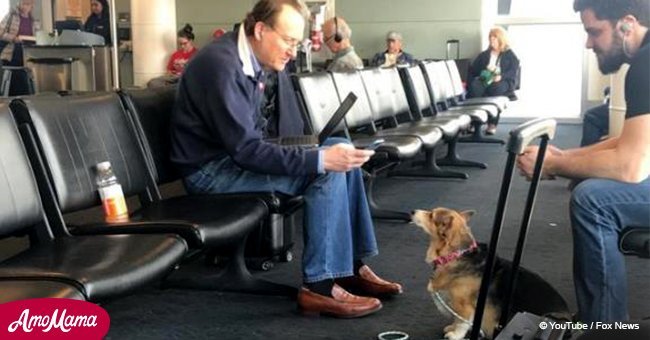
442	91
437	92
151	111
421	103
438	72
14	290
16	81
397	148
635	241
70	135
388	103
320	98
98	267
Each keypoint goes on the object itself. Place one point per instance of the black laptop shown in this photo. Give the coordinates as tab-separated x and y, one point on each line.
330	127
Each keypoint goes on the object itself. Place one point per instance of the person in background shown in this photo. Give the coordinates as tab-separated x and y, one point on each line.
595	124
219	142
494	71
615	189
18	22
336	35
393	55
99	21
218	33
178	60
185	51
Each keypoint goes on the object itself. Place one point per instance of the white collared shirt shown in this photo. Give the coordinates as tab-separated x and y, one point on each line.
250	65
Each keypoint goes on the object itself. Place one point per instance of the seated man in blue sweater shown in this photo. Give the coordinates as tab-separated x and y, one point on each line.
218	141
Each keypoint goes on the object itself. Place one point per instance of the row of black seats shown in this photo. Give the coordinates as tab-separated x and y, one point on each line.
409	107
50	146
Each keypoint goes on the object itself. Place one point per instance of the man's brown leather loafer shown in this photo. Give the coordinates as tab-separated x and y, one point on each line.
368	283
341	305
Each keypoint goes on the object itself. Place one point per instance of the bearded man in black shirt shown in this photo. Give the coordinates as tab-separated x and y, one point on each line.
614	191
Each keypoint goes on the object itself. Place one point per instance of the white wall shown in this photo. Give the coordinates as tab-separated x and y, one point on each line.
207	15
425	24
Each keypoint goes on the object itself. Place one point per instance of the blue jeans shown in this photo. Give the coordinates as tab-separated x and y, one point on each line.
600	209
338	228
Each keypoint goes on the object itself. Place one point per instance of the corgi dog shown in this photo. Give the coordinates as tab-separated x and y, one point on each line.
458	263
457	269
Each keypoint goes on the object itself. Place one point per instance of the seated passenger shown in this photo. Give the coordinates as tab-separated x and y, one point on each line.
218	33
178	60
393	54
615	188
595	124
219	133
336	35
494	71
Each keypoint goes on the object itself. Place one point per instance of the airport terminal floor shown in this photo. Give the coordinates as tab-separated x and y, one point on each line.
170	313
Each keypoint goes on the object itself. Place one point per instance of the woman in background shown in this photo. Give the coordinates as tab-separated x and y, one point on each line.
185	51
98	21
19	22
494	71
179	59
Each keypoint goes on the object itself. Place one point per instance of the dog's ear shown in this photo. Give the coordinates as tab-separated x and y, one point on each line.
467	214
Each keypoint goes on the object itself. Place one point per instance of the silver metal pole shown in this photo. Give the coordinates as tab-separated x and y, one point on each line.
114	53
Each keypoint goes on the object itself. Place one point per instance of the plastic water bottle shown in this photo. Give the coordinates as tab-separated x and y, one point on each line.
111	194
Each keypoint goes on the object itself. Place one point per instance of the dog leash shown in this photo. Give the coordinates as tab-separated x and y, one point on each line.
441	302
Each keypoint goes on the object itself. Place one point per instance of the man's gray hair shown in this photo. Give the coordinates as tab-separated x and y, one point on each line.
266	11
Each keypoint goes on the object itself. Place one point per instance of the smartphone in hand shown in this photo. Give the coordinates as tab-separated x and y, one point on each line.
375	144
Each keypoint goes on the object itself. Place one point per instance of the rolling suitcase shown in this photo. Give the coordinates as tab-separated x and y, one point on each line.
520	137
462	63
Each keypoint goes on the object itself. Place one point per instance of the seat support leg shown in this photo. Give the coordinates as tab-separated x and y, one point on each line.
452	158
430	169
375	210
477	136
233	277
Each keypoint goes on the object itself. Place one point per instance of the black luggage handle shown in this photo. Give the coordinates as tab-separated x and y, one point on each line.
520	137
453	42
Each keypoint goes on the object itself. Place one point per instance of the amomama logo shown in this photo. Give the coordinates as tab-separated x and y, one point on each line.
53	319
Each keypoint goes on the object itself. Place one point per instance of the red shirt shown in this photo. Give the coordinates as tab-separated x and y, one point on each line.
178	60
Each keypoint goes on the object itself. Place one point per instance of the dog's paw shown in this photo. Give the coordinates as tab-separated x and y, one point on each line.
454	336
456	331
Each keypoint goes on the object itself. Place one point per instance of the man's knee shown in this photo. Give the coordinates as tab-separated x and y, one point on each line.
584	194
329	180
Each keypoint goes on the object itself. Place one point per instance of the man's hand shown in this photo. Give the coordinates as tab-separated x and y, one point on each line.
344	157
526	161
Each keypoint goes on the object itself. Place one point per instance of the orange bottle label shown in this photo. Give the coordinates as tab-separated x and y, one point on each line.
114	204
